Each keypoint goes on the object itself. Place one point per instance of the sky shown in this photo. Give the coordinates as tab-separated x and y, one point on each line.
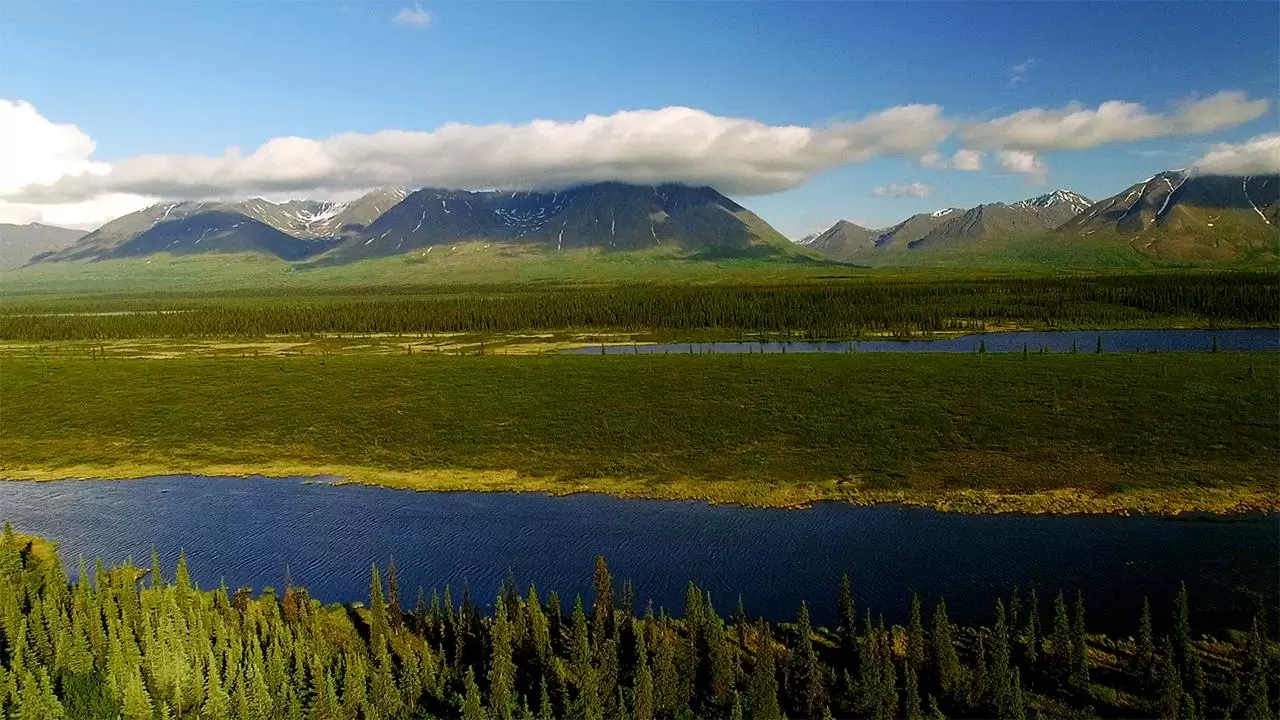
806	113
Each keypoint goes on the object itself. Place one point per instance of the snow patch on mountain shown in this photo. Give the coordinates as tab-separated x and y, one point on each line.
1074	200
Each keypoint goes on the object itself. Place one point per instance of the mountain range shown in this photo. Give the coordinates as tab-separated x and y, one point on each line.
20	243
1189	217
1172	215
394	221
953	226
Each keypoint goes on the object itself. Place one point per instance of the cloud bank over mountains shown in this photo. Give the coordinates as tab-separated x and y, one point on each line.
50	174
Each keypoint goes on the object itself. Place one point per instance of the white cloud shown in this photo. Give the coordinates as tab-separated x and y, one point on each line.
49	173
1076	127
674	144
933	160
915	190
966	159
413	17
1018	72
1256	156
37	150
1024	163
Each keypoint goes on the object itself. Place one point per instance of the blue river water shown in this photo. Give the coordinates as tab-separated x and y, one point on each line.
1053	341
251	531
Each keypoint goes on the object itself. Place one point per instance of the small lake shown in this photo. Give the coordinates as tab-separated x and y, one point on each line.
999	342
251	530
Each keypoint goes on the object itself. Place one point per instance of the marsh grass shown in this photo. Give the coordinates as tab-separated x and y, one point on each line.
1055	432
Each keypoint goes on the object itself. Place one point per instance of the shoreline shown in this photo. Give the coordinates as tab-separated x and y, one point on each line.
1222	501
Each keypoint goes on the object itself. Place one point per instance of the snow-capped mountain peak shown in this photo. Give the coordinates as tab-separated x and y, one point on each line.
1075	201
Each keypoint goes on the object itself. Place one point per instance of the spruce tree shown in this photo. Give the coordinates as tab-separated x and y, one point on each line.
502	670
982	683
217	704
806	672
157	576
666	682
762	688
848	630
1198	688
642	703
1060	639
1146	643
911	710
1033	628
1000	660
137	702
394	612
1255	667
472	706
378	623
1170	698
545	711
722	668
580	651
1182	626
1257	704
946	663
917	653
1017	707
602	610
607	672
1079	647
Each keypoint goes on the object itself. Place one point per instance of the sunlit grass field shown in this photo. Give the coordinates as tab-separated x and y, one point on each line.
1144	431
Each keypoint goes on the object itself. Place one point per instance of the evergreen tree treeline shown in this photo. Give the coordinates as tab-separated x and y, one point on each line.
795	310
139	644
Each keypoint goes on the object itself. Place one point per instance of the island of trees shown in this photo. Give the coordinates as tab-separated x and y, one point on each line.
142	644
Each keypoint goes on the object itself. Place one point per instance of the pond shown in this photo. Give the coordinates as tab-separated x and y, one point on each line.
1052	341
251	530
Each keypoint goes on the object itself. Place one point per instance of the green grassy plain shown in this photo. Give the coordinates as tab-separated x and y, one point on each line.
1048	433
470	263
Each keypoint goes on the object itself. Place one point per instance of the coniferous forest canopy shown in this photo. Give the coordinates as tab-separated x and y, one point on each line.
813	309
144	643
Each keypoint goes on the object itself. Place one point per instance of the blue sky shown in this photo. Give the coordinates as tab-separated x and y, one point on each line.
199	77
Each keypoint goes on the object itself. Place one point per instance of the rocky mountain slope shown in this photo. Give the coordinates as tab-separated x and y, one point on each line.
952	226
20	243
310	219
610	216
1185	216
1057	207
844	239
913	229
1179	216
1025	218
292	230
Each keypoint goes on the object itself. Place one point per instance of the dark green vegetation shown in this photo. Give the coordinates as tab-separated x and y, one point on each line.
134	644
1109	431
473	263
815	309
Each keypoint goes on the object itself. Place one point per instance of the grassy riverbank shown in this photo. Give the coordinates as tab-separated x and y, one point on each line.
1049	433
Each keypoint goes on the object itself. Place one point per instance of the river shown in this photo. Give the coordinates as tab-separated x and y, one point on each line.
251	530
